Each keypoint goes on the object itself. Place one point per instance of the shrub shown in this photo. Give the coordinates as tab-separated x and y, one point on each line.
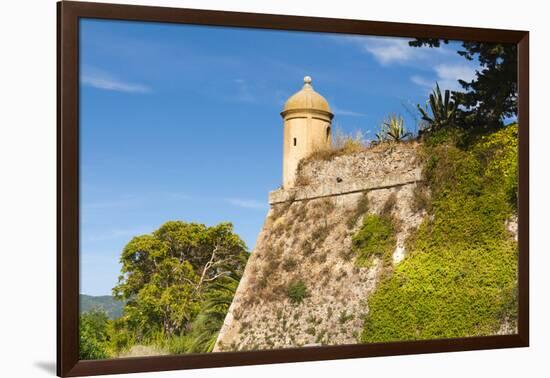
272	265
389	205
420	198
342	144
376	237
320	336
322	257
348	143
345	317
178	344
314	320
342	274
326	206
450	135
121	338
289	264
320	233
361	208
307	248
302	180
238	313
297	291
244	326
311	331
262	282
94	337
299	212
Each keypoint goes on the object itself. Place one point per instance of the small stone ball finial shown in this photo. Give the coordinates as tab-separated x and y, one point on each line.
307	80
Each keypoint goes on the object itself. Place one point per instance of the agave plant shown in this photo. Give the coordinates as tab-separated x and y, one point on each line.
393	129
443	110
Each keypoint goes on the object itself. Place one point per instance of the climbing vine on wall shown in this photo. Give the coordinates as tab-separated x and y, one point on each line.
460	276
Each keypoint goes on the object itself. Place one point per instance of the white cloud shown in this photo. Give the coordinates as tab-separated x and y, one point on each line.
344	112
391	50
247	203
388	50
102	80
451	73
447	76
422	81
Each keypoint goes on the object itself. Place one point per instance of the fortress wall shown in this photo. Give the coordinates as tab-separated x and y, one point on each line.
377	168
373	163
310	226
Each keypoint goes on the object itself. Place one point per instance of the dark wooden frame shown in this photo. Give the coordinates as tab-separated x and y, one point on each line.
68	14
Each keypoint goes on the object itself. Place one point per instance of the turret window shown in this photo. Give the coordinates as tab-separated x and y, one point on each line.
294	141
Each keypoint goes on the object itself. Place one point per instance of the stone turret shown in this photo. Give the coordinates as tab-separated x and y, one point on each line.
307	120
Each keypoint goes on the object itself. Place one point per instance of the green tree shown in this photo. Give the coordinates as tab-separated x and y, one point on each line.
166	274
491	96
94	336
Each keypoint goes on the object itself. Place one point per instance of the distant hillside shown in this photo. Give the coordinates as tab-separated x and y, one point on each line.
107	303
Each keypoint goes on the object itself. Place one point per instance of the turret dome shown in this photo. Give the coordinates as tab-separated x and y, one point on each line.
306	99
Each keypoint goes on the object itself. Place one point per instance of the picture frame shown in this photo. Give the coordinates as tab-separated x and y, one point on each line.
68	197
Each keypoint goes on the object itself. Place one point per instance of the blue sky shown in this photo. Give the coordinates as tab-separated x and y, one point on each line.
182	122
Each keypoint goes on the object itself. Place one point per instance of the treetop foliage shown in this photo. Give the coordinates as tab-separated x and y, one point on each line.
166	274
491	96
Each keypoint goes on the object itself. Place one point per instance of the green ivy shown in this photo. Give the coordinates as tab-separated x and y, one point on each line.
460	276
375	238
